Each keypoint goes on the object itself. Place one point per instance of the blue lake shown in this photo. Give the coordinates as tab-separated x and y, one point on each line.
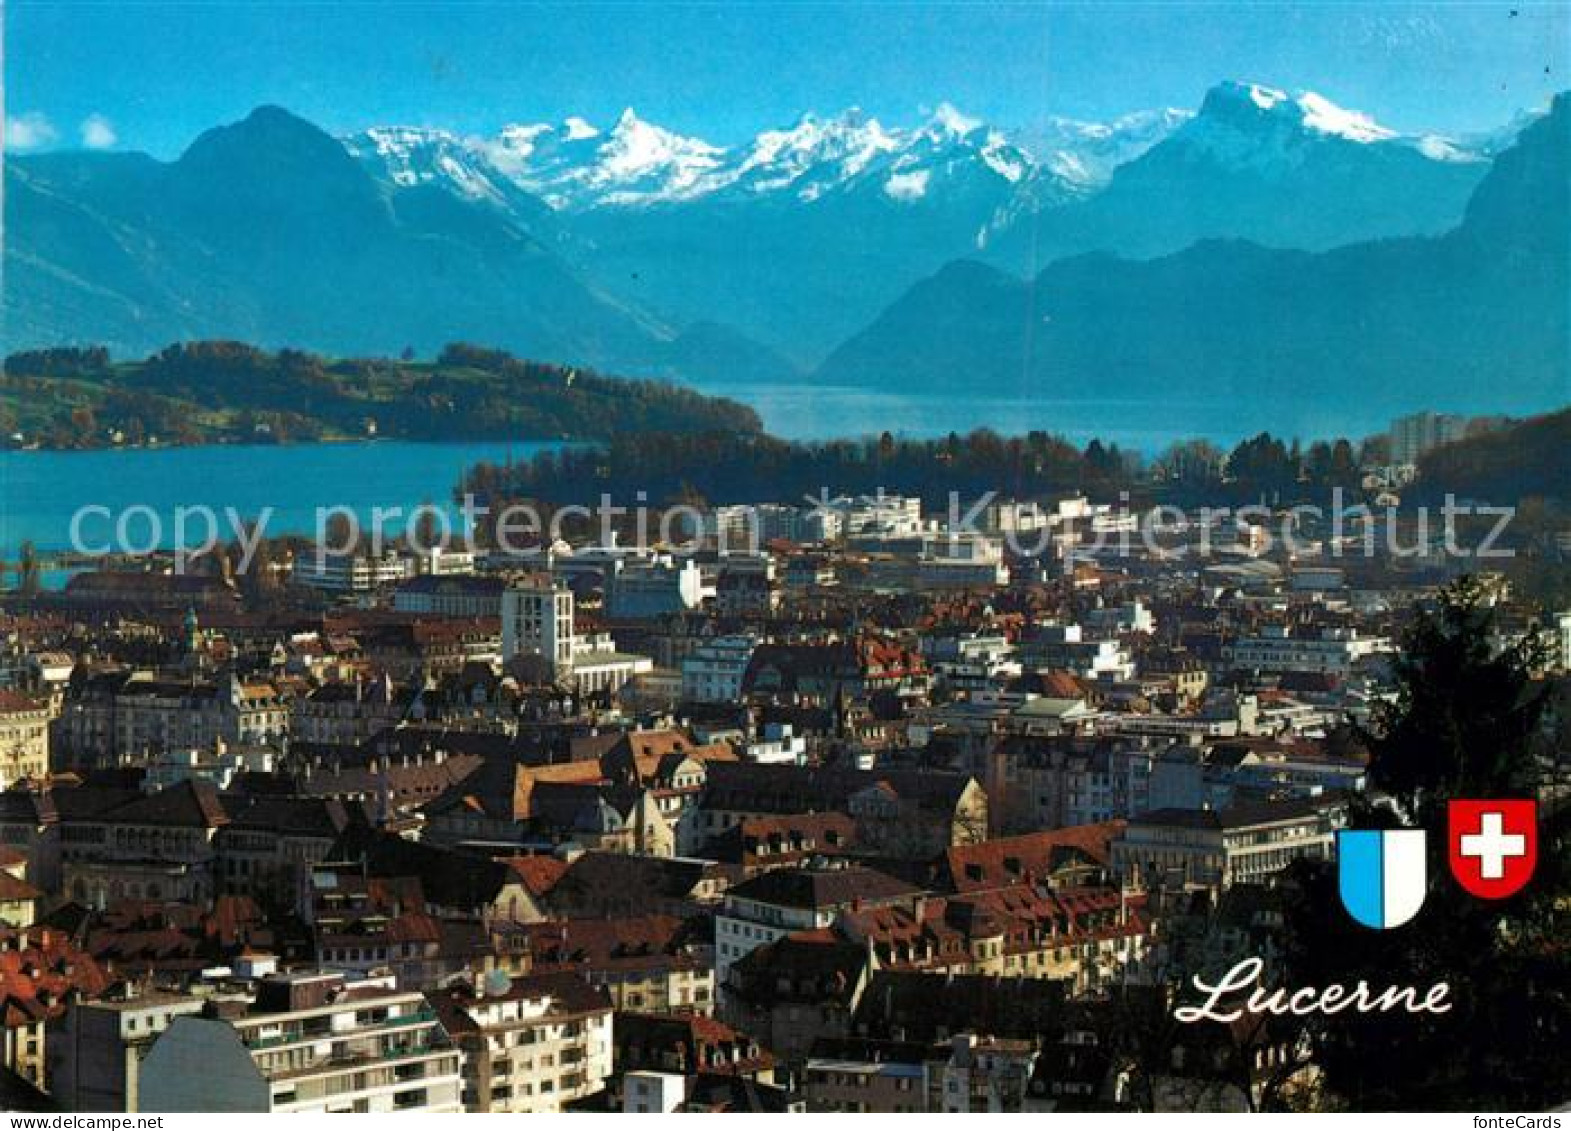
41	491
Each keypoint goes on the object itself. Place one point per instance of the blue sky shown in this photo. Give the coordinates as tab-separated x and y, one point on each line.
151	75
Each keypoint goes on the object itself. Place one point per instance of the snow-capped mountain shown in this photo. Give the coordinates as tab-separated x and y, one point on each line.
794	236
1259	164
575	166
636	245
1249	124
1471	315
408	156
1086	153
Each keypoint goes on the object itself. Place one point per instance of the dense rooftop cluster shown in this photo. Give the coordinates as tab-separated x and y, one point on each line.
871	814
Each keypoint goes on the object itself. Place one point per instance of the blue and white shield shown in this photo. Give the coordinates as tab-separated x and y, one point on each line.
1381	874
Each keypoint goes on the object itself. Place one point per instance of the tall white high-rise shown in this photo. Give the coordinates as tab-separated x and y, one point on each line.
537	618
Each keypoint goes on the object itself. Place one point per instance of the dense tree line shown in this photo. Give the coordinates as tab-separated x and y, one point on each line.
726	467
1529	459
736	467
222	390
65	361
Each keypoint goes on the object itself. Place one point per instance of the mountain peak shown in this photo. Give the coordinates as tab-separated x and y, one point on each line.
268	134
1247	105
948	120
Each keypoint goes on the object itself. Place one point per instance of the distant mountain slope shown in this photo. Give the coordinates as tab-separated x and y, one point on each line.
793	238
1254	163
645	251
1476	319
269	231
800	235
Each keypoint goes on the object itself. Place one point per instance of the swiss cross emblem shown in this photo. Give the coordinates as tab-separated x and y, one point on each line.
1493	845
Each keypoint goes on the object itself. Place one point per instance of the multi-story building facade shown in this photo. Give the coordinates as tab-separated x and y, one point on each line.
650	963
1208	848
308	1042
655	588
125	716
1068	646
1413	435
352	573
96	1047
537	619
1327	651
714	671
531	1044
24	737
775	904
451	595
155	847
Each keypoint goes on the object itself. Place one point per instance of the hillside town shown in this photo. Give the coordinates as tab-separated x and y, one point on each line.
833	809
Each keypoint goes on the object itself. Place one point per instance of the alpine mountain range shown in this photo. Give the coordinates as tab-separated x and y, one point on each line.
1266	241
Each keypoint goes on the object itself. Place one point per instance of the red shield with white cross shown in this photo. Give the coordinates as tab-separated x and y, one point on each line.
1493	845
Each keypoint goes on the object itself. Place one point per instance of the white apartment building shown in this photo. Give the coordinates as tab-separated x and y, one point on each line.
879	516
1326	651
1067	646
1413	435
313	1042
537	618
961	561
713	672
531	1044
442	561
653	1092
779	745
351	573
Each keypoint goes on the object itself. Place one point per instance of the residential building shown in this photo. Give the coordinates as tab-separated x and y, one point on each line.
655	963
1328	650
351	573
1207	848
654	588
1420	432
857	1075
715	671
451	595
778	903
307	1042
97	1046
981	1074
647	1092
537	619
24	737
531	1044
